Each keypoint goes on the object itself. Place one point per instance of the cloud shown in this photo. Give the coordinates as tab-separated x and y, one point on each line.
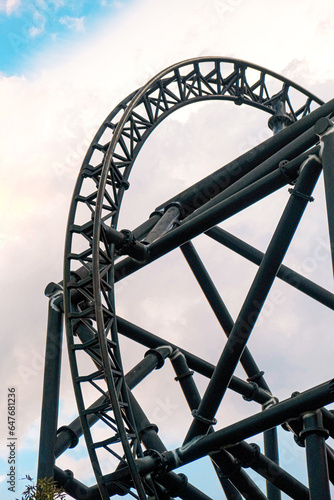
73	23
34	31
9	6
39	25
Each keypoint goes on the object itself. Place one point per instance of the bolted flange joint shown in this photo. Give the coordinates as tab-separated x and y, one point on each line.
125	243
73	437
161	466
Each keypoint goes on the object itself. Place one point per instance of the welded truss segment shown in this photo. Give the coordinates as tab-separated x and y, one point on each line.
97	256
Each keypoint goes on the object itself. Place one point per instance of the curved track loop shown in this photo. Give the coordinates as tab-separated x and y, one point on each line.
89	255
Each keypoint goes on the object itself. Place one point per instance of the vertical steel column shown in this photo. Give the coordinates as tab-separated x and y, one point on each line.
257	294
330	461
325	129
314	435
270	442
49	417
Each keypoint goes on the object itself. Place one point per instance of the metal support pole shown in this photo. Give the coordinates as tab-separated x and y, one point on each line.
193	398
75	488
280	120
250	456
314	435
328	418
219	308
284	273
176	484
227	468
250	391
270	442
141	231
295	152
284	411
306	401
51	387
325	129
330	461
246	360
202	191
192	227
257	294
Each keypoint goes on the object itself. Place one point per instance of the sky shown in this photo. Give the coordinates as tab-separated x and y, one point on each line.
64	66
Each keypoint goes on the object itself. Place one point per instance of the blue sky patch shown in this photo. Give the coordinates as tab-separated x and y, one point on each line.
27	28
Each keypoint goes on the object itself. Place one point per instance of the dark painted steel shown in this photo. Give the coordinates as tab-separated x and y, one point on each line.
246	360
314	436
91	322
251	391
219	308
256	296
51	387
330	462
306	401
328	418
291	408
204	221
75	488
270	441
176	484
107	201
300	134
226	466
185	377
250	456
68	436
141	231
325	128
125	243
281	119
294	152
286	274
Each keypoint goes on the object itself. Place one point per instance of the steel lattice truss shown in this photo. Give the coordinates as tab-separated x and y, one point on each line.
97	255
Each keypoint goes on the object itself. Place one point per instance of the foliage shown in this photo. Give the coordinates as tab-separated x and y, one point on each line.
45	489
